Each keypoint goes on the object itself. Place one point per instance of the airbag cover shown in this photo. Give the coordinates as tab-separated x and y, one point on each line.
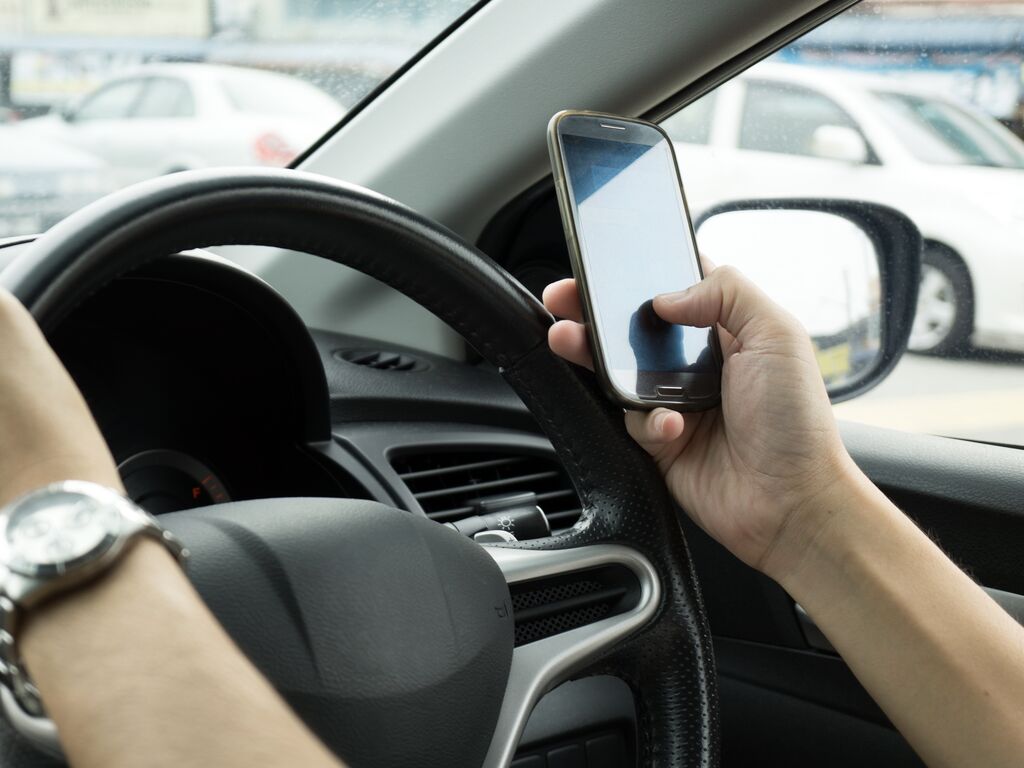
360	613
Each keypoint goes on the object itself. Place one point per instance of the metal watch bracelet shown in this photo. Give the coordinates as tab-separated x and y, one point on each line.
13	674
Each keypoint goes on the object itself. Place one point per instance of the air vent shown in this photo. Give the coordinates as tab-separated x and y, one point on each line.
547	607
448	484
382	361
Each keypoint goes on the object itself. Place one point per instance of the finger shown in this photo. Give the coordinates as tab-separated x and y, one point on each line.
726	341
653	429
725	297
707	264
563	300
569	340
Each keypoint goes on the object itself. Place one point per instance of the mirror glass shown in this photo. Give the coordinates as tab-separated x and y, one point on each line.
821	267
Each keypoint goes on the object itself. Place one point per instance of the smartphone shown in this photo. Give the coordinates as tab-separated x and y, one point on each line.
630	238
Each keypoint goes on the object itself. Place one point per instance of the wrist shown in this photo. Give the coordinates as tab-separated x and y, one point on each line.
819	524
145	569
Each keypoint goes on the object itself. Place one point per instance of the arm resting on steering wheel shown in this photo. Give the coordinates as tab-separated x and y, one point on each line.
133	668
136	671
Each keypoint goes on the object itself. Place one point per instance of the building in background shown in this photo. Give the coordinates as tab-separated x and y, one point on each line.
52	51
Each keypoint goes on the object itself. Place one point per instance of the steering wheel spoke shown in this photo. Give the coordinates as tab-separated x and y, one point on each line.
540	665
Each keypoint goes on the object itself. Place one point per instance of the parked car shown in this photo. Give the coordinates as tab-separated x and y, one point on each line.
793	131
43	180
162	118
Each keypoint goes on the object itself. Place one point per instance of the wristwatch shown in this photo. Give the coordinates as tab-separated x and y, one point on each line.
51	541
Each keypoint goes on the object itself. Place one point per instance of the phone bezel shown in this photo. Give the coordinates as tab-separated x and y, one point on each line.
704	390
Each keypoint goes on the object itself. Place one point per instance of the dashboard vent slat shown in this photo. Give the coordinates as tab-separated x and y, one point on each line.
447	483
489	485
465	467
559	494
380	360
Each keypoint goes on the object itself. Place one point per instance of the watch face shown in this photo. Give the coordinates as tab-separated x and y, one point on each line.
51	532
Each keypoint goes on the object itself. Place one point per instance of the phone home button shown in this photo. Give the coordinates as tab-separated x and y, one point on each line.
672	392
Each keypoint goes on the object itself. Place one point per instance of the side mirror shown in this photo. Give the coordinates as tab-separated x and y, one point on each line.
848	270
839	142
67	113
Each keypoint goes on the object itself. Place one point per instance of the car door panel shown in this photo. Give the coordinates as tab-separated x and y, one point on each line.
763	727
783	702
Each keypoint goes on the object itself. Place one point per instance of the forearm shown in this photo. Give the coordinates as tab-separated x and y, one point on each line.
136	671
941	658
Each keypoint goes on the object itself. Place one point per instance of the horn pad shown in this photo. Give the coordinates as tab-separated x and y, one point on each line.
360	613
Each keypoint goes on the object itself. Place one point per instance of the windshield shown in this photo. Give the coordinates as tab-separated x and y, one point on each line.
939	132
96	95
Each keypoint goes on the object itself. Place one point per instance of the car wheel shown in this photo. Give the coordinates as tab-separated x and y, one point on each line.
945	305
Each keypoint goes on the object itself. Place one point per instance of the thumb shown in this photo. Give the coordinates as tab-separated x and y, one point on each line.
727	298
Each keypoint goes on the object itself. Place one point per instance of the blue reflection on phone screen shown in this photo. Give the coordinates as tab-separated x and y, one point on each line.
635	244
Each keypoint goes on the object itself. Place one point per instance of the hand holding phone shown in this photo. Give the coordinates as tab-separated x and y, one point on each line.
771	454
630	238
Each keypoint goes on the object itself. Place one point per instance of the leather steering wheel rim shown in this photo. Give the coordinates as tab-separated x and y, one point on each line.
669	663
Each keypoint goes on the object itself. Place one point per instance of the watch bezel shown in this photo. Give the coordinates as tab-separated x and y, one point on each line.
109	500
22	567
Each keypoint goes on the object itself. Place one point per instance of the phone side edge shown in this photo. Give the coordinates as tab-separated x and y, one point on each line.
576	263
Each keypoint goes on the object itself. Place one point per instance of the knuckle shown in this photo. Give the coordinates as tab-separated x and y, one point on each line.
726	273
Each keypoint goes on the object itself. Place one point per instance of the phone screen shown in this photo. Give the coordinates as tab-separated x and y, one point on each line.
635	242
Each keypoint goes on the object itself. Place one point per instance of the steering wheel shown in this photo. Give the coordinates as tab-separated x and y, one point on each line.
392	636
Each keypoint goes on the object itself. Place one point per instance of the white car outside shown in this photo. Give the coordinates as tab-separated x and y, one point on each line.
42	181
163	118
792	131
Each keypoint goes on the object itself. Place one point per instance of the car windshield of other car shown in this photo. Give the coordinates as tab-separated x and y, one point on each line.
111	102
936	131
164	97
97	95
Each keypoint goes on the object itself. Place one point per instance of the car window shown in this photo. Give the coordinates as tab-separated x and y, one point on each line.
782	117
165	97
934	89
233	82
111	103
693	125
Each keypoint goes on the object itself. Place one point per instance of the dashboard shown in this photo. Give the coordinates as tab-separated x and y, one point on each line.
209	388
192	386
